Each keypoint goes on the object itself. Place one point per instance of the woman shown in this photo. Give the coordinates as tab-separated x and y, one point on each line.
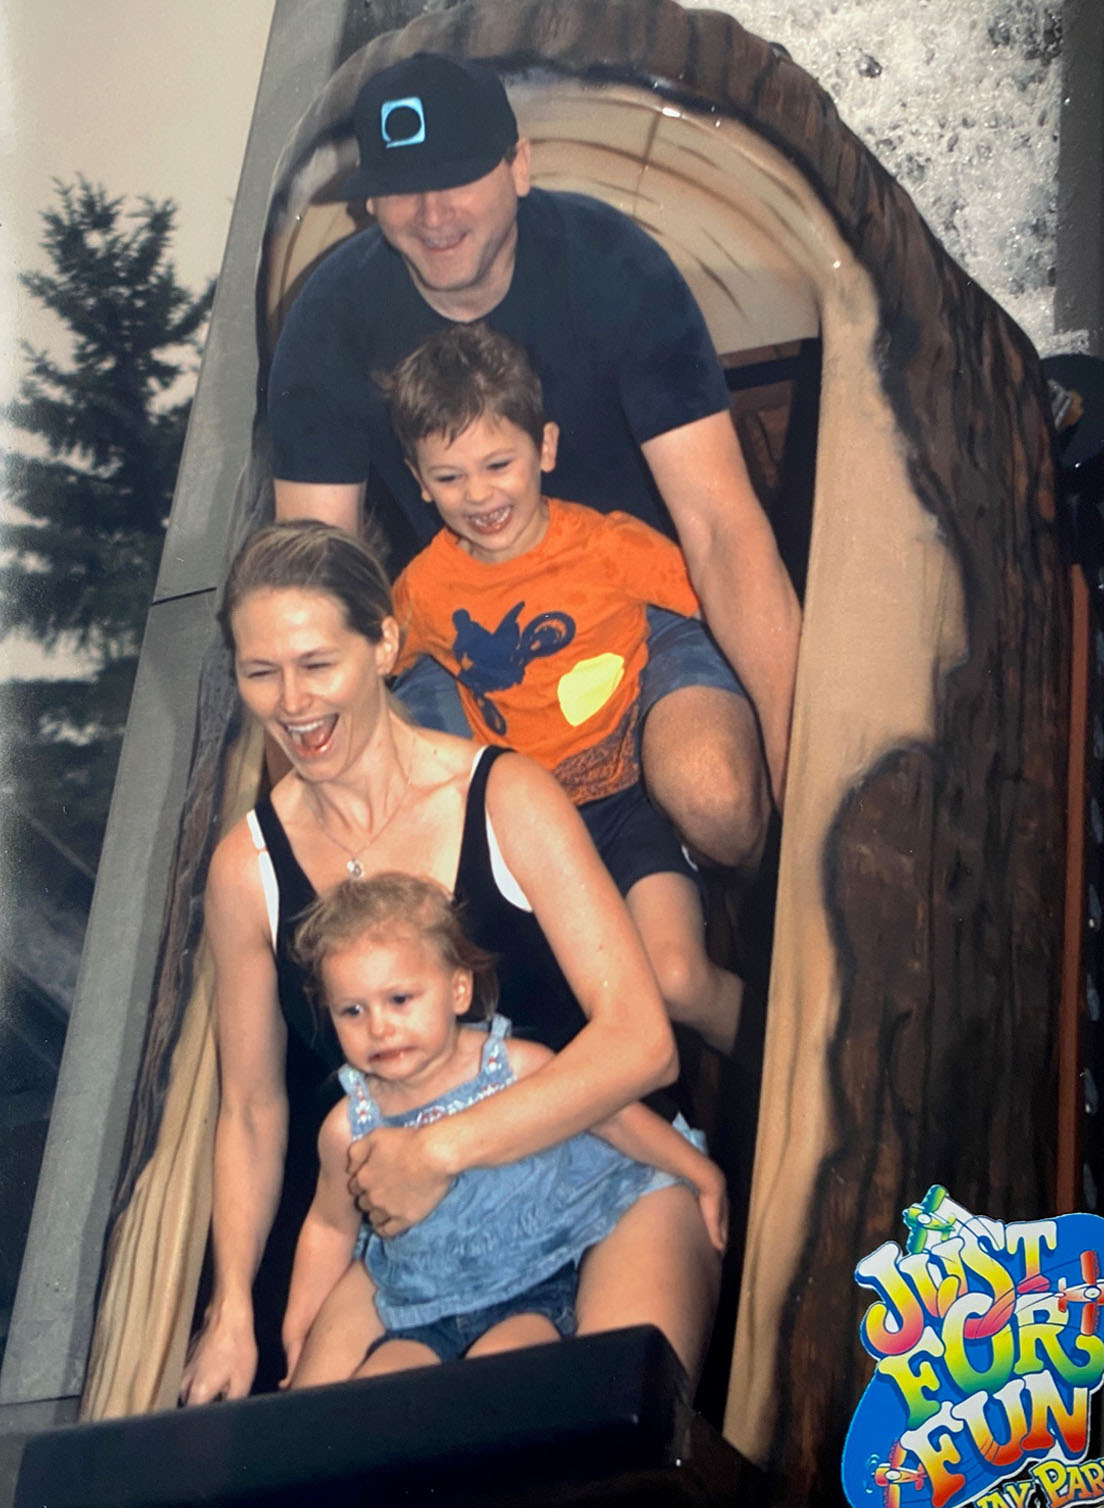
307	612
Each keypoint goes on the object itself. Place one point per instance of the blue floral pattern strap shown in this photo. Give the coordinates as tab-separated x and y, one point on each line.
494	1060
494	1074
364	1113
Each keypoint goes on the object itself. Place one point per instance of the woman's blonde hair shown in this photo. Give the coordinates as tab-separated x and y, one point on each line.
386	907
310	556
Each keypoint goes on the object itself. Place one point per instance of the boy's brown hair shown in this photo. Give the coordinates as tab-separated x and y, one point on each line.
455	377
385	907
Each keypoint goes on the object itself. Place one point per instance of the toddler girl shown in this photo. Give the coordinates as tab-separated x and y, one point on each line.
493	1266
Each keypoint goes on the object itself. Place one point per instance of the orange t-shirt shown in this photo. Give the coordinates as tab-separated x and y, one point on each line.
548	648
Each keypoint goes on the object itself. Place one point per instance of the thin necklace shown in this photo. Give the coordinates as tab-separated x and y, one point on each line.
353	867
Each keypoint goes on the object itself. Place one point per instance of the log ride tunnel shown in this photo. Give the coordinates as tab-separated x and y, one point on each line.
897	428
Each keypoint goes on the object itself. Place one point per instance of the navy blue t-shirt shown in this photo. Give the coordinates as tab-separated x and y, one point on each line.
620	345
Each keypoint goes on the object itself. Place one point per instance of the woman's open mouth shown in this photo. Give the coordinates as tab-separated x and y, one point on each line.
310	739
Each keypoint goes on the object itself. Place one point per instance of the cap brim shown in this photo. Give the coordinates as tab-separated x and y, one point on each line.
420	177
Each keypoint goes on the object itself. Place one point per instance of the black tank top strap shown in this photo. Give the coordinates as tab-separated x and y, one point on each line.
475	850
296	890
296	894
532	989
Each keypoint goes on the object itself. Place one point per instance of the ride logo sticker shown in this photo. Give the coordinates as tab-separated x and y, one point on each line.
988	1344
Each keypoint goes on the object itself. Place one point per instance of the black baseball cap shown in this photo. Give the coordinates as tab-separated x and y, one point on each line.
429	122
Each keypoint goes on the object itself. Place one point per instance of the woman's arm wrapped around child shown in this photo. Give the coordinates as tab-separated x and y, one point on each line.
646	1137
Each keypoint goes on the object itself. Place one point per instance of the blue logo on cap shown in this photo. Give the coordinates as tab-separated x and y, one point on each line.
402	122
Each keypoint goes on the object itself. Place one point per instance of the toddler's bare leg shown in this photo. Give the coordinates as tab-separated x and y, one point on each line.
397	1356
513	1334
346	1326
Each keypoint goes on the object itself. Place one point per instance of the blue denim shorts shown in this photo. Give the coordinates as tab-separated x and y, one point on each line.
681	652
451	1336
431	698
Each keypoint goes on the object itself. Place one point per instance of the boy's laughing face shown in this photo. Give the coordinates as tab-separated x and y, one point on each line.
486	485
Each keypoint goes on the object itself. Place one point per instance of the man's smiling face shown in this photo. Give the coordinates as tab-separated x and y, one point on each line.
459	243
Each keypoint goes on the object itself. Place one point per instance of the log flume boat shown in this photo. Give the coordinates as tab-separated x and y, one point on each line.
897	428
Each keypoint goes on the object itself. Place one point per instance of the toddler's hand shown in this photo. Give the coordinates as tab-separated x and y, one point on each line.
293	1349
713	1203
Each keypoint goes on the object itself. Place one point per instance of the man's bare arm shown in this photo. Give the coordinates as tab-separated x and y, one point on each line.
337	503
746	594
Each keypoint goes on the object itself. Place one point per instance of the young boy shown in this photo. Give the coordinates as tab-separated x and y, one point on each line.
538	608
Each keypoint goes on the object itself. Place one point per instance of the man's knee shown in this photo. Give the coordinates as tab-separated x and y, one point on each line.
703	767
723	815
430	698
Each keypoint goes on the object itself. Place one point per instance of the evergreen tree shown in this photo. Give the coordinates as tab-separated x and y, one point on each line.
93	490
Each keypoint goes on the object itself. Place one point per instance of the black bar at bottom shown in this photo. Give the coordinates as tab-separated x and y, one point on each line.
602	1420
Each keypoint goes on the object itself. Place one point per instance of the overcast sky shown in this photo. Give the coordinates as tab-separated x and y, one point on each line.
144	96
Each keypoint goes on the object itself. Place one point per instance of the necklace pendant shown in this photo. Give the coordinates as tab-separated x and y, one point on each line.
355	869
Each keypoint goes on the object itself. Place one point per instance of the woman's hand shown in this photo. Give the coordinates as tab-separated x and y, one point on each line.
394	1178
222	1360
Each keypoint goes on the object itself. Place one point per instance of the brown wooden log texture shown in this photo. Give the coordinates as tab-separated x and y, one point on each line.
161	1210
910	1037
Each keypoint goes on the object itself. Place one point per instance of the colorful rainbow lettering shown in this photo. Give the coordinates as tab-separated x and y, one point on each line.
988	1343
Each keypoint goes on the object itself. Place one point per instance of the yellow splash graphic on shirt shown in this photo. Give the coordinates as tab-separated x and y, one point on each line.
588	686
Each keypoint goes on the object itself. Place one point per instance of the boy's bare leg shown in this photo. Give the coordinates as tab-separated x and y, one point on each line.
346	1326
703	767
513	1334
656	1267
698	993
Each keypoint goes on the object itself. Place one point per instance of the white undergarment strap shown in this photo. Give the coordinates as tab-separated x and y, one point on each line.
508	887
268	875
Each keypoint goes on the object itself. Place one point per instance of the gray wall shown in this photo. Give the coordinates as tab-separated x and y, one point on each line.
51	1326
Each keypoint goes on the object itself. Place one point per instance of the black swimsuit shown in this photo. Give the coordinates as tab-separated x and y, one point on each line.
532	989
532	992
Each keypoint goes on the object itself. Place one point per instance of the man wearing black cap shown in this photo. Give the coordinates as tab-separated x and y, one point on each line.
629	374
